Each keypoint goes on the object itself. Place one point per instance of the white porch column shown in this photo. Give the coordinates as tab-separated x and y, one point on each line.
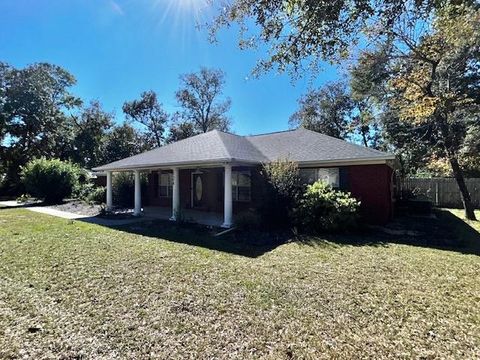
138	195
176	194
109	190
228	208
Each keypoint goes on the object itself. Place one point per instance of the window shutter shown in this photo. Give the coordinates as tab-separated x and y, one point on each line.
155	184
344	181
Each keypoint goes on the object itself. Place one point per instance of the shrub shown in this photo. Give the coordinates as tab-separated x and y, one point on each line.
123	184
24	198
281	193
98	195
123	187
50	180
322	208
90	193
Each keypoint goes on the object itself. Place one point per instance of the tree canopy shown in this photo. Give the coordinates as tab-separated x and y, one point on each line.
91	126
299	33
200	97
326	110
34	105
148	112
332	110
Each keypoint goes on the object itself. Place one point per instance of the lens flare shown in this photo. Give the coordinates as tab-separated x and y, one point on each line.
182	16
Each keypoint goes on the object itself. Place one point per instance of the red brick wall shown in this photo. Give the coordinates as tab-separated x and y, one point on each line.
153	198
371	184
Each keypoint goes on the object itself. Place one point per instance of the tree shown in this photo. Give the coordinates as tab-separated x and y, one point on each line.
281	193
301	32
91	128
332	111
148	112
432	84
180	131
34	102
199	97
123	141
327	110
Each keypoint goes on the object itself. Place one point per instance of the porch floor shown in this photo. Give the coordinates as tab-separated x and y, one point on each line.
199	217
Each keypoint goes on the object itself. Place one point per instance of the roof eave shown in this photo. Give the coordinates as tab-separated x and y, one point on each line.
350	161
234	161
216	162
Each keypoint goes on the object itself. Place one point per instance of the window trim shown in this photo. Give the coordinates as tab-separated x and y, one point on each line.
168	186
236	173
317	175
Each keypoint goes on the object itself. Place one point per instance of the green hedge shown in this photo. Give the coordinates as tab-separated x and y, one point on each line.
50	180
322	208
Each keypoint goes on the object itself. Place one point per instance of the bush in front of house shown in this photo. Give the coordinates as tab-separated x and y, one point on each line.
98	195
91	193
123	188
50	180
324	209
282	191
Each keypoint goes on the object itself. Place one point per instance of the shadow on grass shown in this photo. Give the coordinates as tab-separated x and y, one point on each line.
202	236
444	231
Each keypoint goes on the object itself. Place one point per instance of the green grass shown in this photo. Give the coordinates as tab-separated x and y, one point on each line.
71	290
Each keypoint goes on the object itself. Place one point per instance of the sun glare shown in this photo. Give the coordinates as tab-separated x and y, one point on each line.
190	5
183	16
183	6
181	11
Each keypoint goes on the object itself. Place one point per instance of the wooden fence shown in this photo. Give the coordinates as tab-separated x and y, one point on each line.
442	192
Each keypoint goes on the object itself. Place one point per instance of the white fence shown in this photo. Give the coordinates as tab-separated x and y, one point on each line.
442	191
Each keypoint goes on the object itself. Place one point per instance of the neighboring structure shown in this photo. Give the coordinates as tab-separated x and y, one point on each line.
219	172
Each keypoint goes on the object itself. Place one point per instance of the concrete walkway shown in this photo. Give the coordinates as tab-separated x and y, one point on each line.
73	216
57	213
150	213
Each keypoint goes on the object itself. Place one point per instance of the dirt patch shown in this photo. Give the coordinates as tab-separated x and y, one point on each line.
78	207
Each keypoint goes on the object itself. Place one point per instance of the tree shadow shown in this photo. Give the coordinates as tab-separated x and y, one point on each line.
202	236
443	231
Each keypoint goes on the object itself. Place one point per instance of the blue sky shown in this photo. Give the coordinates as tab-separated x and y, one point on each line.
118	48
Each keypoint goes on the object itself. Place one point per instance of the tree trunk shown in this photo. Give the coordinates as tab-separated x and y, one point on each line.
467	201
364	138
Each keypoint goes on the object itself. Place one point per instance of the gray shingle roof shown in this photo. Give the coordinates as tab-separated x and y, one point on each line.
299	145
305	146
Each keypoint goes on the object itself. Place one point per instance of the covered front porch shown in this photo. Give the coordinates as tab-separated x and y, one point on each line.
205	194
190	215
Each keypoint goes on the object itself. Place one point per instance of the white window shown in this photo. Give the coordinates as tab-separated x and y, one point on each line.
308	176
329	175
166	184
241	185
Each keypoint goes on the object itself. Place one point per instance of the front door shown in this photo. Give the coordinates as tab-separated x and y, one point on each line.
198	190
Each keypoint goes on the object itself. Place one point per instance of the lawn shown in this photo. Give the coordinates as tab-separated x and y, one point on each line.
72	290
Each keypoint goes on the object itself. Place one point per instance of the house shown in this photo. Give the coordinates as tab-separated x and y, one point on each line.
219	173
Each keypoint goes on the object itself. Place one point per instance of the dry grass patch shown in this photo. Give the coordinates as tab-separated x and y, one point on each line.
71	289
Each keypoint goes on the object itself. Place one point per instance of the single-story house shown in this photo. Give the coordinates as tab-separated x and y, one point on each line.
219	172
